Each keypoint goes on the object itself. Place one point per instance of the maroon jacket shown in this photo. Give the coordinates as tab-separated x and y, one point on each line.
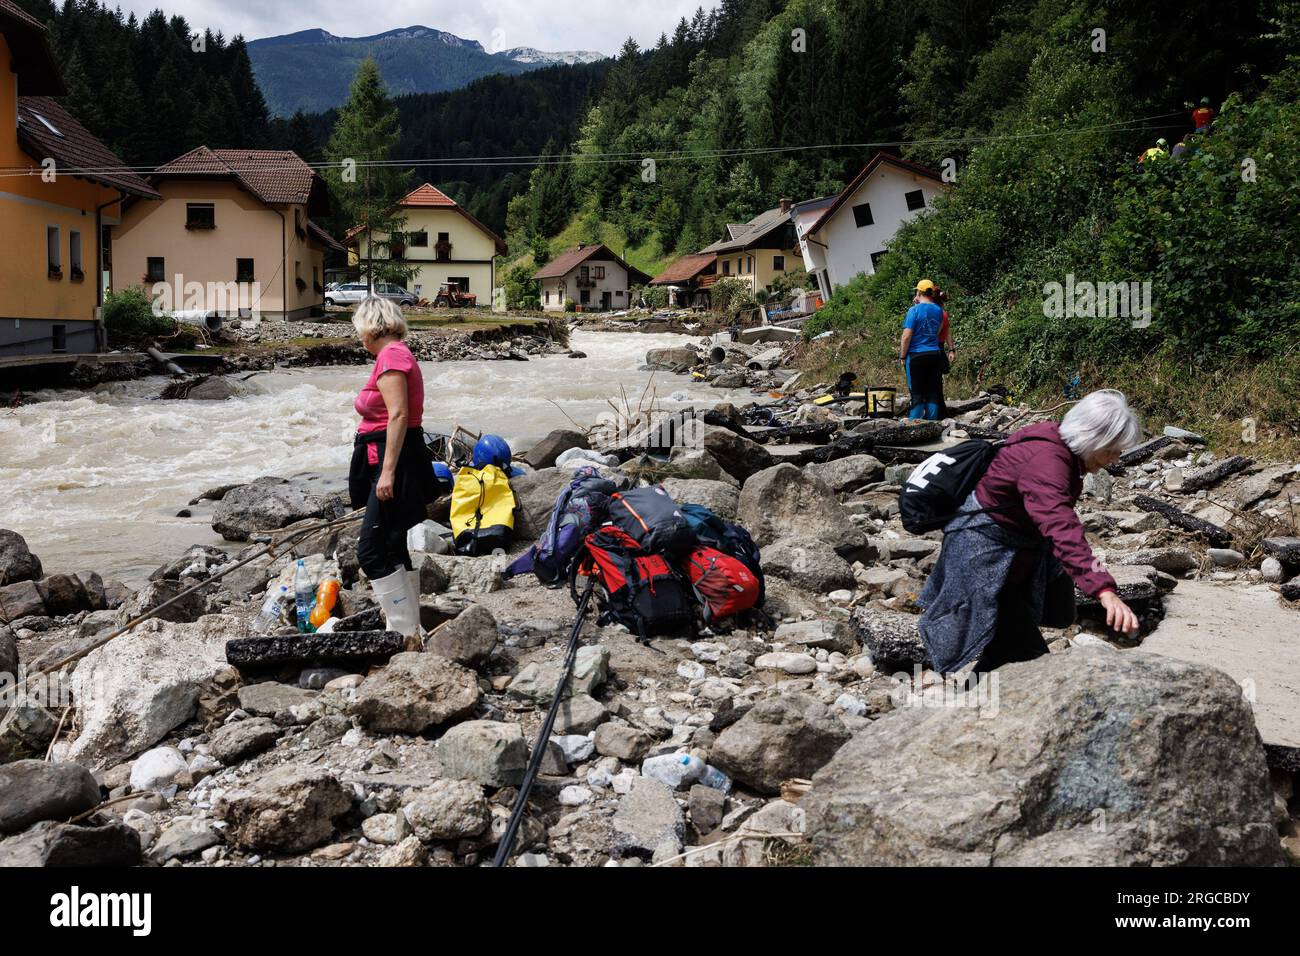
1040	481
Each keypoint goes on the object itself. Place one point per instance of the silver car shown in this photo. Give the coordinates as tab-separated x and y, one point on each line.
350	293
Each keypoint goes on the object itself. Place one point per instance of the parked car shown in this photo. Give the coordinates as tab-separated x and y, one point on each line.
350	293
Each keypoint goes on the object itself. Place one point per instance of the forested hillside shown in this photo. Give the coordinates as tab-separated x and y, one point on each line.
143	88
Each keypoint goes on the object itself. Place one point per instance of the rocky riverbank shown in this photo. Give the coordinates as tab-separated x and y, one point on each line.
836	742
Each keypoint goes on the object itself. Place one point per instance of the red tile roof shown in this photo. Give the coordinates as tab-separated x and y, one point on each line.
861	177
277	177
566	262
427	196
29	48
685	269
47	131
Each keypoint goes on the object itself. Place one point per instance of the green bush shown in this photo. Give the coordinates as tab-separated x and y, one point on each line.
129	316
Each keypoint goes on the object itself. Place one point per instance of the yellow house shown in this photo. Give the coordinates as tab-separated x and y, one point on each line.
441	242
59	187
758	251
232	236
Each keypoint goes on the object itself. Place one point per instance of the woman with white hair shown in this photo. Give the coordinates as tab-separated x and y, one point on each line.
1014	553
391	475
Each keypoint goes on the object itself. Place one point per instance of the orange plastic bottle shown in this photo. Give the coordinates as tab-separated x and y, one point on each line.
326	597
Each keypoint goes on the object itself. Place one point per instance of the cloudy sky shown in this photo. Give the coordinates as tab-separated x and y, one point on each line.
600	25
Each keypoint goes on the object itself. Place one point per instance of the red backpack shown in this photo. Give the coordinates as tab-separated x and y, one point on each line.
638	589
723	584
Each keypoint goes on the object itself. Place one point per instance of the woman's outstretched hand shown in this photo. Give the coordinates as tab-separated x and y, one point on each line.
1119	616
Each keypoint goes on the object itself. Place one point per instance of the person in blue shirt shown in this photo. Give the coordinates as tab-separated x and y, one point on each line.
922	354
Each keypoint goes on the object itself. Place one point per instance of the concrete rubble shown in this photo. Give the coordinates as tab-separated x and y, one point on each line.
346	749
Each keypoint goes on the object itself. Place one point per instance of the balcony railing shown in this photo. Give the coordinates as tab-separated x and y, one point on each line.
585	282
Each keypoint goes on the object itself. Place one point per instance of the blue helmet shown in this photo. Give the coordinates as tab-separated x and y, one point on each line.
492	450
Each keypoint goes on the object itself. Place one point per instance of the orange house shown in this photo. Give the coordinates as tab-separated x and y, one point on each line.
59	190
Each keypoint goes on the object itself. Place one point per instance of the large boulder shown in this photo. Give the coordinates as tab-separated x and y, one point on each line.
719	497
288	810
808	563
34	790
848	474
789	736
467	639
647	818
535	493
414	693
265	504
22	599
1089	757
784	501
671	358
26	729
739	456
697	463
102	841
490	752
132	692
448	810
544	453
17	563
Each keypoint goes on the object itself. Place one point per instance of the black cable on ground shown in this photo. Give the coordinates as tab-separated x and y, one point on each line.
544	734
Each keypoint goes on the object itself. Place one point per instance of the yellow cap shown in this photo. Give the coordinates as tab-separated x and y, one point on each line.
925	285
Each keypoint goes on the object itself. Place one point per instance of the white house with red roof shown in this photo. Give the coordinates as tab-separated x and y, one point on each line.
590	276
441	243
844	236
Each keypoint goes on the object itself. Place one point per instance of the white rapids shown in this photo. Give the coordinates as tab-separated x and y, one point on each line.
93	480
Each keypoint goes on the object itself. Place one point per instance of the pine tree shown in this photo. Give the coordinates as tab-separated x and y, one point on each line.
365	134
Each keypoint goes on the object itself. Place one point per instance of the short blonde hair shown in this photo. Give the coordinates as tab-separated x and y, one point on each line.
377	318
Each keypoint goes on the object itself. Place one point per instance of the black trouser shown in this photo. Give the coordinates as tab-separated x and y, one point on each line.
1017	637
382	548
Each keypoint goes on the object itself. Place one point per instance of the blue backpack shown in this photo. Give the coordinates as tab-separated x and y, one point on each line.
580	510
730	539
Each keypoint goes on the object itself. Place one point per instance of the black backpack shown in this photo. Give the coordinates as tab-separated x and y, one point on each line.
637	589
936	489
653	520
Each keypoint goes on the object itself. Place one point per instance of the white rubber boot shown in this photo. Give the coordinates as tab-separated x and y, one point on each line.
401	612
413	588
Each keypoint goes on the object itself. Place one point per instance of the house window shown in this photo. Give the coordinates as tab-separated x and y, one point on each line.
778	263
875	260
74	254
548	296
460	282
618	293
243	270
154	269
420	239
726	267
586	296
200	215
53	263
915	199
442	250
862	215
298	281
599	271
749	264
59	337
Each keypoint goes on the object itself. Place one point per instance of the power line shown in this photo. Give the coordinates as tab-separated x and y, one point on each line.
618	158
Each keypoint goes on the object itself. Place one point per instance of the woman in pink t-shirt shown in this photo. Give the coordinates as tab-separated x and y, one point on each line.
391	475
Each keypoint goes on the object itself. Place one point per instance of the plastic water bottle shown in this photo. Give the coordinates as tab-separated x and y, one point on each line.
715	778
304	594
673	770
269	616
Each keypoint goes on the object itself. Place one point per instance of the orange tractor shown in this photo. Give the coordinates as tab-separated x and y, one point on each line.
451	297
